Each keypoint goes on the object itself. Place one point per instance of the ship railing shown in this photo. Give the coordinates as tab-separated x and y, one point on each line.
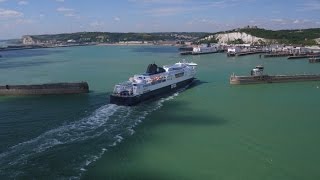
233	76
156	80
123	92
123	87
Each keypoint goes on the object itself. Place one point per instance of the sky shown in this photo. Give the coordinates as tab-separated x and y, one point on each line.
30	17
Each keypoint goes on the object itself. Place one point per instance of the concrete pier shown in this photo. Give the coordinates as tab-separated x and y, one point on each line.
244	53
44	89
304	56
249	53
186	53
199	53
277	55
238	80
314	60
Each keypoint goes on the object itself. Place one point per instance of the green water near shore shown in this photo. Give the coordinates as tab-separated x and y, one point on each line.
209	131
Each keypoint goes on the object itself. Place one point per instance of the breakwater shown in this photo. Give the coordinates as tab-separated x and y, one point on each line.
26	47
314	60
186	53
277	55
199	53
44	89
249	53
273	79
291	55
304	56
244	53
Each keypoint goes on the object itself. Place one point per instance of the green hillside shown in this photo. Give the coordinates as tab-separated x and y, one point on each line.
108	37
301	36
295	37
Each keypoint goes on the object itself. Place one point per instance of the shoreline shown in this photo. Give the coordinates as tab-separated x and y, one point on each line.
27	47
134	44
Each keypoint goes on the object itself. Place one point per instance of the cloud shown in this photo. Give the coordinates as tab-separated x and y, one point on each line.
278	20
63	9
168	11
202	4
68	12
175	7
159	1
60	0
222	4
313	5
116	19
288	21
275	12
69	15
23	2
24	21
296	21
139	26
202	21
7	13
96	24
2	1
209	24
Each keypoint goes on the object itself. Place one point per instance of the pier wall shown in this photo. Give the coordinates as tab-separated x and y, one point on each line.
272	79
44	89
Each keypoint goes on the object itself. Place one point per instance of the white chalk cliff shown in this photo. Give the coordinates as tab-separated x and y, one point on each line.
227	37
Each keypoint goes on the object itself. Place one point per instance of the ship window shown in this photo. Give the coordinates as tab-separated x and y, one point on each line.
179	74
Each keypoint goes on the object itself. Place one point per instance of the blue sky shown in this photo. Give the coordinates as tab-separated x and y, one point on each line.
20	17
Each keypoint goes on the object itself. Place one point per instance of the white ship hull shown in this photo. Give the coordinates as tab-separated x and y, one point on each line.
133	100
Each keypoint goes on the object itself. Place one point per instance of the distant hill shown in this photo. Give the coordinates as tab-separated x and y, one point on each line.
10	42
252	35
108	37
261	36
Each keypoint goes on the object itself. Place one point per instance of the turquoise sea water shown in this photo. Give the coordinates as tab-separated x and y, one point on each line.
210	130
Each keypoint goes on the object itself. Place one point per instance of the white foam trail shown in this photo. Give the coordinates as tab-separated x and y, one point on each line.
138	120
123	122
76	131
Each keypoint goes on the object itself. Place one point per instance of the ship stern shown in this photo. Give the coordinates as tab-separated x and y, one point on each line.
124	100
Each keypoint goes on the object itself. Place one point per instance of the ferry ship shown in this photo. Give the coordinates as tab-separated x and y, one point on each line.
203	49
156	81
206	49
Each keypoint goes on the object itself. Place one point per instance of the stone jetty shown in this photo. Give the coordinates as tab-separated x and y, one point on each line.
44	89
273	79
257	77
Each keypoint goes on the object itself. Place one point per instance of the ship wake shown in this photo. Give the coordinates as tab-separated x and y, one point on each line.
87	139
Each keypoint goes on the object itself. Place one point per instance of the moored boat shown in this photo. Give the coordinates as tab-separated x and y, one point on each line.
206	49
203	49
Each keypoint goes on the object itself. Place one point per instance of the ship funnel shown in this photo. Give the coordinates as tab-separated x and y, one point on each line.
152	69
